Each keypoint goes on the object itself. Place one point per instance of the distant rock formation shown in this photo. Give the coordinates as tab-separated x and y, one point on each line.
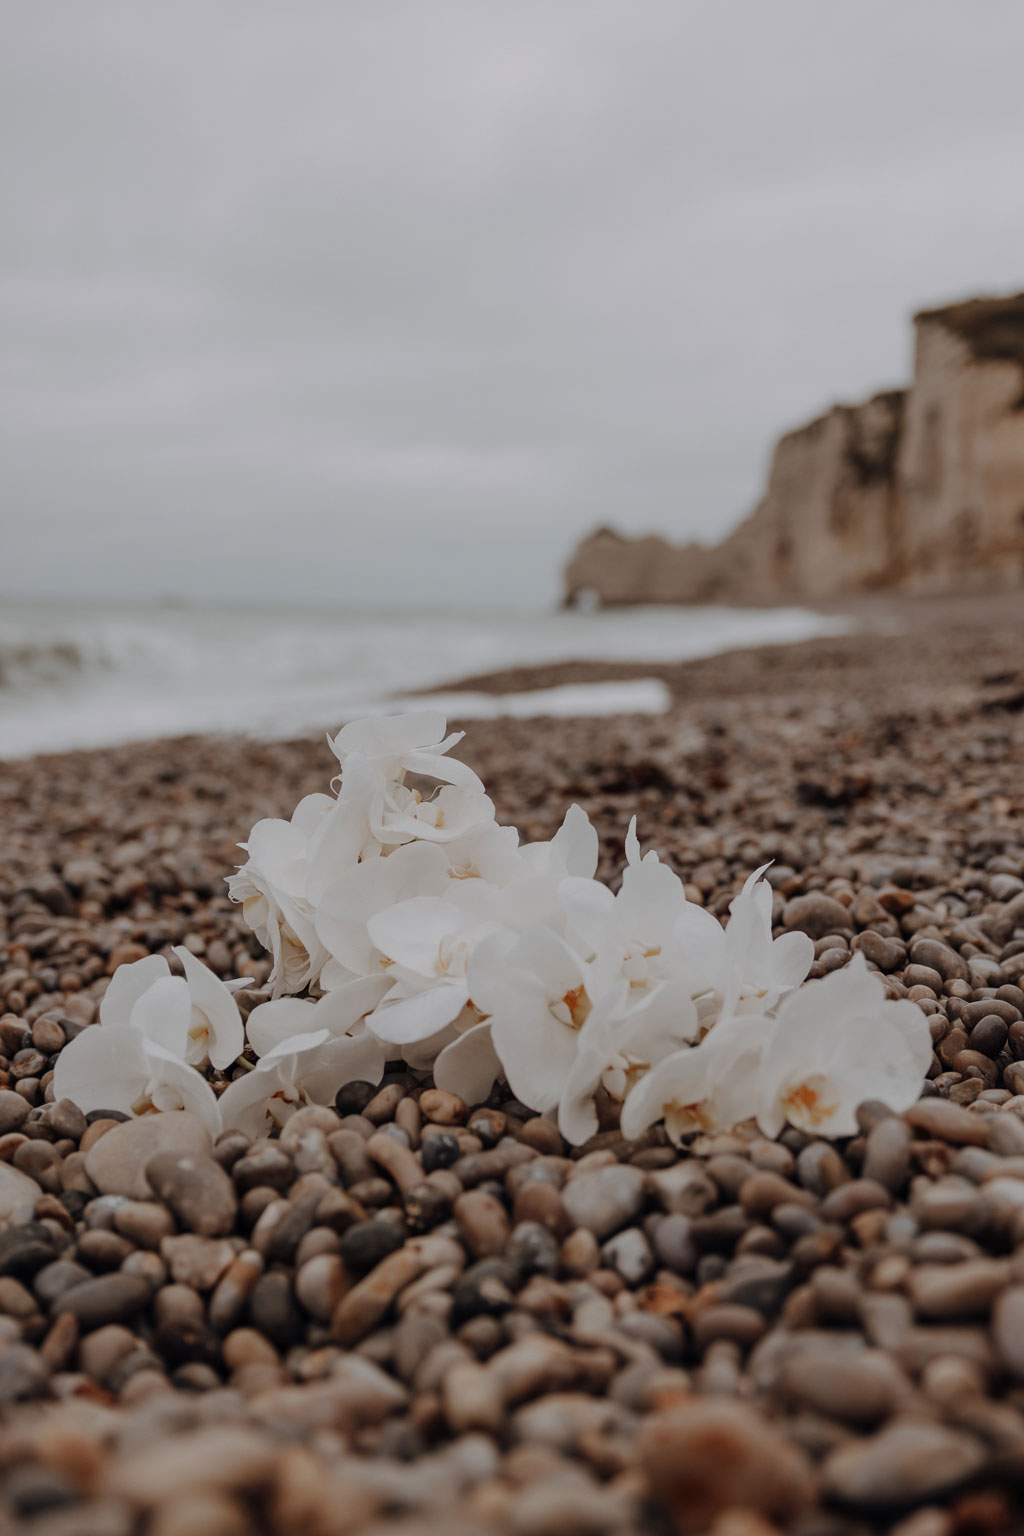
920	490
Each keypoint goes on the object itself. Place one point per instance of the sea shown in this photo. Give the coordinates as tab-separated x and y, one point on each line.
94	674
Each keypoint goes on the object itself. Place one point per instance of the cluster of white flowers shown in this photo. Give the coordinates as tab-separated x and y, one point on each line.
421	929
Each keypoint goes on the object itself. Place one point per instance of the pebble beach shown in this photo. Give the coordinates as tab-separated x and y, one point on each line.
412	1316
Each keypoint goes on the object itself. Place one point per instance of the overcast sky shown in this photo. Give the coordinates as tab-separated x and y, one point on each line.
391	301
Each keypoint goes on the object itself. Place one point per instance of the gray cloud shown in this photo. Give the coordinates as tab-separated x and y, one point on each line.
390	302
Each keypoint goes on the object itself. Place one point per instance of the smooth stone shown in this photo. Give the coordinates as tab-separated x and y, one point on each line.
887	1154
108	1299
25	1246
857	1388
116	1163
58	1277
1008	1329
320	1285
22	1374
905	1464
472	1399
967	1289
629	1254
948	1122
13	1111
197	1189
685	1189
367	1243
197	1261
18	1194
939	957
368	1302
483	1223
214	1456
606	1199
816	914
533	1248
705	1457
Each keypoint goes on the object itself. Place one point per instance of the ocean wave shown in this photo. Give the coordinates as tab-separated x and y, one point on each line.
92	675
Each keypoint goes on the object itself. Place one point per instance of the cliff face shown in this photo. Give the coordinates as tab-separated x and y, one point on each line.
919	489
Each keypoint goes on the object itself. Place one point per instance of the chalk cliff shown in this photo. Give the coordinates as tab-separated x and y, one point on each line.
919	489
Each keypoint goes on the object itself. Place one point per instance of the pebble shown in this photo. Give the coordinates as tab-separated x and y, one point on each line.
117	1163
905	1464
472	1398
368	1301
367	1243
859	1388
320	1284
22	1374
939	957
944	1291
1008	1329
606	1199
947	1122
197	1261
817	914
887	1154
19	1194
197	1189
629	1254
108	1299
706	1457
483	1223
14	1109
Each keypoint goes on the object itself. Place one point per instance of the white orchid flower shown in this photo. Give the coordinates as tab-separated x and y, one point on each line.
194	1017
468	1064
486	852
536	993
835	1043
395	745
623	1037
348	904
573	850
376	811
761	969
706	1087
304	1069
428	942
273	890
274	1023
446	816
215	1031
533	894
117	1066
649	933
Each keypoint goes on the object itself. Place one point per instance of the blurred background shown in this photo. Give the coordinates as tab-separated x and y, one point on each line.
315	319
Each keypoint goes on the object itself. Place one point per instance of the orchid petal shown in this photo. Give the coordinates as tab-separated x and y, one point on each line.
469	1065
127	985
163	1014
419	1016
217	1008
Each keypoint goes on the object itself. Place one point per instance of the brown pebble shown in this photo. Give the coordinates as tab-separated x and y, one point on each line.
706	1457
483	1223
197	1189
108	1299
366	1303
441	1107
763	1191
947	1122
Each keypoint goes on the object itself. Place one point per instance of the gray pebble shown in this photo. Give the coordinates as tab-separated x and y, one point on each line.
606	1199
197	1189
108	1299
